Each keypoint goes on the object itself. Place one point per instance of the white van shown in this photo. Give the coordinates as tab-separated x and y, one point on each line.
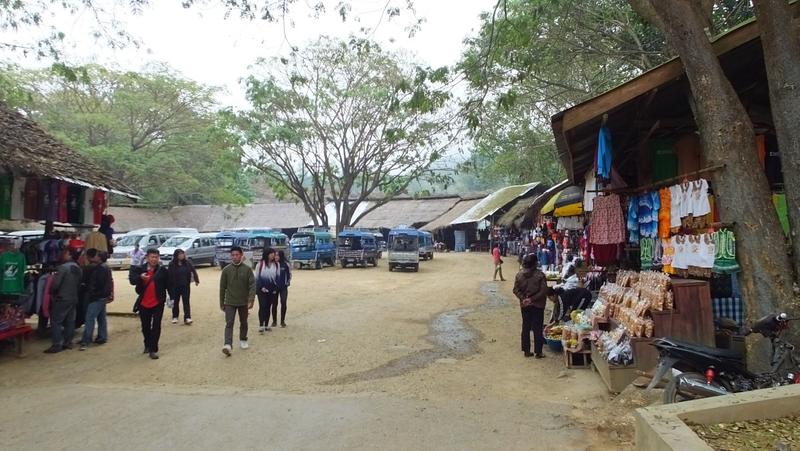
146	239
200	248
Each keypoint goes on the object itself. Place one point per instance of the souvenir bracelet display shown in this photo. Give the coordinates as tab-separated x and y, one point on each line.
628	305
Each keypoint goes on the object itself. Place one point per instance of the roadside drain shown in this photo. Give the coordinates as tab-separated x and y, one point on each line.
451	336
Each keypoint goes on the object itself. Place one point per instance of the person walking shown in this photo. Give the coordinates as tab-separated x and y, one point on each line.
282	282
267	288
99	287
136	255
237	292
64	292
530	287
498	263
151	281
181	275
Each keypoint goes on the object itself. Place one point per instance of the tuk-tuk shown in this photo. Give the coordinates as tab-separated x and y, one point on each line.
313	246
356	247
226	240
425	245
264	238
404	243
252	242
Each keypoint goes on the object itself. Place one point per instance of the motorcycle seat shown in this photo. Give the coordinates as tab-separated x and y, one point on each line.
716	352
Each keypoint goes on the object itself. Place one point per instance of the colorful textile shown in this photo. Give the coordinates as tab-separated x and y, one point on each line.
664	196
725	252
633	220
604	153
646	253
779	200
607	224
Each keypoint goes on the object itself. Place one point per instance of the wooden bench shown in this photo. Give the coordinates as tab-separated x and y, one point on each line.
18	334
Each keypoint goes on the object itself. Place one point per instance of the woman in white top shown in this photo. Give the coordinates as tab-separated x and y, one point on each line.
266	287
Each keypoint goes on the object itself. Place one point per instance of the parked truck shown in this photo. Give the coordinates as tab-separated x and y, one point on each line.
313	247
403	244
356	247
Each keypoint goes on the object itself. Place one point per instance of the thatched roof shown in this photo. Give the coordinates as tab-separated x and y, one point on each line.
132	218
457	210
410	212
26	149
278	215
498	200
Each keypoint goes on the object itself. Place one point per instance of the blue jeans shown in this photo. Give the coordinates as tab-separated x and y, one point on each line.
95	311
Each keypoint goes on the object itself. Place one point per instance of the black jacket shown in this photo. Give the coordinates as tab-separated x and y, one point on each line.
99	283
181	275
161	279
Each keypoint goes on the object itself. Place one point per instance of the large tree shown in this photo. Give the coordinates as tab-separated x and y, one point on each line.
727	137
158	131
345	122
781	44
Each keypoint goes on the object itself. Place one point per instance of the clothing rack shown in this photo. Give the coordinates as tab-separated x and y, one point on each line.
661	183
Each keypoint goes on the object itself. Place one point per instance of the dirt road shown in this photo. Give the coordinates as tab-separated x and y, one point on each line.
370	359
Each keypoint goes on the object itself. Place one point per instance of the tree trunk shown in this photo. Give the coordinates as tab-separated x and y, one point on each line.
727	136
781	52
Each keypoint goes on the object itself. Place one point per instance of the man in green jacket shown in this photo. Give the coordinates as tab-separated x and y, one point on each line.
237	292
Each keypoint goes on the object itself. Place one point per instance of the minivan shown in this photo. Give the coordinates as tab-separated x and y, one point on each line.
200	248
146	239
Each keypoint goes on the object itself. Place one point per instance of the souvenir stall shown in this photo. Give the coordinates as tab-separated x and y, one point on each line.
43	181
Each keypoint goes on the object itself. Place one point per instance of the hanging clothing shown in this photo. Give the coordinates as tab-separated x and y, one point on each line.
633	220
607	224
98	206
668	253
779	200
18	198
12	280
646	253
725	252
52	210
664	213
680	260
6	194
63	199
74	204
570	223
699	205
590	186
604	153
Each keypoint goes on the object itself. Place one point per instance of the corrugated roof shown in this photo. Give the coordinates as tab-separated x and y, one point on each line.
494	202
407	211
457	210
29	150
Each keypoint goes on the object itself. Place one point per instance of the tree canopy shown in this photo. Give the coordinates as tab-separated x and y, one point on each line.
343	122
159	131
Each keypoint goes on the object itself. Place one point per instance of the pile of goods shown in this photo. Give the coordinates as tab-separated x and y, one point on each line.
615	346
11	316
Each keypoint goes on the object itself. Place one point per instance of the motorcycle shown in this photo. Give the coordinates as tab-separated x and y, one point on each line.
707	371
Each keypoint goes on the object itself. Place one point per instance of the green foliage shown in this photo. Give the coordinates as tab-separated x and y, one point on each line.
344	121
159	132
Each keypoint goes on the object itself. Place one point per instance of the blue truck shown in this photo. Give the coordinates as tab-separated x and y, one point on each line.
404	248
313	247
252	242
426	245
357	248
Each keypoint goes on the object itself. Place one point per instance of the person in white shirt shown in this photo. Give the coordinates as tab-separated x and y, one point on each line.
136	255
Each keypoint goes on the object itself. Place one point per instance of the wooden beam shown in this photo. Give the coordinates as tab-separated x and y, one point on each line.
669	71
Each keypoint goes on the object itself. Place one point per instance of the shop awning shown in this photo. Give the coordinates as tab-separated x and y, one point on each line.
550	205
569	202
27	150
496	202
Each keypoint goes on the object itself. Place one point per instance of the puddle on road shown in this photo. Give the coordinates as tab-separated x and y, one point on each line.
451	336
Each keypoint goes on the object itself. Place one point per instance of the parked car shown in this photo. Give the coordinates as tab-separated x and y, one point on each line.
146	239
404	243
313	246
200	248
356	247
426	246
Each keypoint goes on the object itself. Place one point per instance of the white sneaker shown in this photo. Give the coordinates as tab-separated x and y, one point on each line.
226	350
188	321
243	344
261	329
174	320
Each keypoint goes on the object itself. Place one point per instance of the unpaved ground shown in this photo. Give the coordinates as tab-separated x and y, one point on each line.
370	359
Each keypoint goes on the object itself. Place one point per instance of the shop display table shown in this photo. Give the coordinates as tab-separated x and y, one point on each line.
18	334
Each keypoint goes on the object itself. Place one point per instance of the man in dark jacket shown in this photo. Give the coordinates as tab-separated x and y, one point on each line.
530	287
99	285
64	292
150	280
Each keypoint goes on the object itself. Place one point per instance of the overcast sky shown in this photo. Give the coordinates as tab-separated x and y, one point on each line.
202	45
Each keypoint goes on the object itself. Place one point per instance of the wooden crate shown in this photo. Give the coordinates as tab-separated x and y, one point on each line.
616	378
578	359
